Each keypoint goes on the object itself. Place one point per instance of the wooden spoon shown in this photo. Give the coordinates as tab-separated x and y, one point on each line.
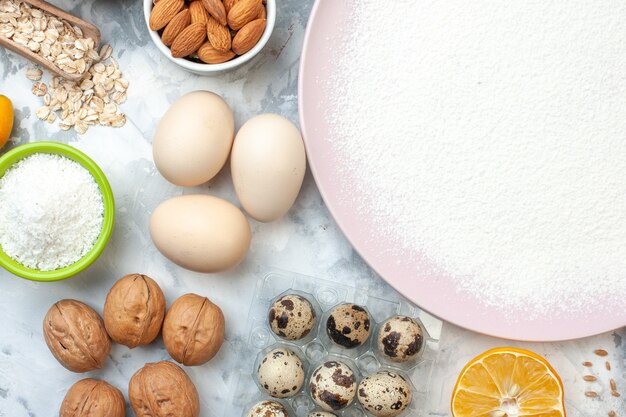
89	31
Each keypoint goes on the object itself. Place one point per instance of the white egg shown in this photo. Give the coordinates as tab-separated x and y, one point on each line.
333	386
268	163
385	394
200	232
281	373
194	138
268	409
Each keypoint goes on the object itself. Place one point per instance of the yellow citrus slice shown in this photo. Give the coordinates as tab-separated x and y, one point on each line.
6	120
508	382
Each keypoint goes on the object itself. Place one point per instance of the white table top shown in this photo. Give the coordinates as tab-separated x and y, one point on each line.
32	383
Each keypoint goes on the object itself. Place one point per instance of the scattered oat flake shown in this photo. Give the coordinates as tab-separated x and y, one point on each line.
590	378
591	394
587	364
43	112
34	74
616	394
600	352
607	365
613	384
105	52
612	413
39	89
93	100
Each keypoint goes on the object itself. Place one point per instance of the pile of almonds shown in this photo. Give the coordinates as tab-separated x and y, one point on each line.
213	31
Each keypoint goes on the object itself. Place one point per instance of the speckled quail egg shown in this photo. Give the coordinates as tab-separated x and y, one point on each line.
281	373
333	385
292	317
400	339
385	394
268	409
322	414
348	325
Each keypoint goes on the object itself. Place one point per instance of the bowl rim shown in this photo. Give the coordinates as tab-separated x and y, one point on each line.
204	69
23	151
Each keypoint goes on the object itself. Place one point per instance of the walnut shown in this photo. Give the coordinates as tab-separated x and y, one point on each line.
93	398
76	336
134	310
163	389
193	330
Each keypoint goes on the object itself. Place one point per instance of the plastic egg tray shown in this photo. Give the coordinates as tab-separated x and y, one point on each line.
317	348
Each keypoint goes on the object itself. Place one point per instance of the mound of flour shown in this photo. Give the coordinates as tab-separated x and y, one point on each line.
491	137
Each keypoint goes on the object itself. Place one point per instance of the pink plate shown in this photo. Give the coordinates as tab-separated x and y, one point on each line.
425	285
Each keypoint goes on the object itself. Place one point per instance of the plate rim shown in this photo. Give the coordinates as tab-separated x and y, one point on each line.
322	187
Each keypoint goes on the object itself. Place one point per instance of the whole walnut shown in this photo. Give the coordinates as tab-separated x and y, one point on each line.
134	310
163	389
75	334
93	398
193	330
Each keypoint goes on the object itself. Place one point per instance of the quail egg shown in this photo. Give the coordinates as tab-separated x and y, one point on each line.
385	394
333	385
400	339
268	409
281	373
292	317
348	325
321	414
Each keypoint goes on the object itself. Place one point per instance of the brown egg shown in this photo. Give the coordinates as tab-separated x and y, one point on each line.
400	339
281	373
385	394
348	325
268	409
292	317
333	386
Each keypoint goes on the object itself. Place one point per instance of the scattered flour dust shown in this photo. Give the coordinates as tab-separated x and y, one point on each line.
490	137
51	212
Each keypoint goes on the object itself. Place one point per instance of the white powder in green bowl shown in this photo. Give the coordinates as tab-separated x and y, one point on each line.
51	212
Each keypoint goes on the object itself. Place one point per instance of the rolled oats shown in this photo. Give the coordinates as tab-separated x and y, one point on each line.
93	100
39	89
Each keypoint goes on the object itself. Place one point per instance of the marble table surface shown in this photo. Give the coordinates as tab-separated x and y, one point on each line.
32	383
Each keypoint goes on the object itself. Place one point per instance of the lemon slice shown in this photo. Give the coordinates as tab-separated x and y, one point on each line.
508	382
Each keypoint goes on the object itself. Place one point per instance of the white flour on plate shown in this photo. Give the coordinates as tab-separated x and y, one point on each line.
490	137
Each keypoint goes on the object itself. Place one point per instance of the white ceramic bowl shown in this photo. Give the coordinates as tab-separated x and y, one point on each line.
205	69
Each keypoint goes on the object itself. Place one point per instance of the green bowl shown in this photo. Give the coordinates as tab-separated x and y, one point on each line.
21	152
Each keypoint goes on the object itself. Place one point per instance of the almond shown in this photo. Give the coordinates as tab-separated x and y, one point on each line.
262	13
189	40
216	9
175	26
163	12
228	4
198	12
208	54
242	13
248	36
218	35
